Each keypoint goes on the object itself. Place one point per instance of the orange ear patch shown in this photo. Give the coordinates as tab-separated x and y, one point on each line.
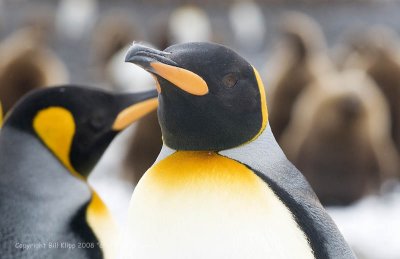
134	113
182	78
55	126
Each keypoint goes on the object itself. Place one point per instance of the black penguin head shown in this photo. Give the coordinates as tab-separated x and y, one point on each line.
78	123
210	98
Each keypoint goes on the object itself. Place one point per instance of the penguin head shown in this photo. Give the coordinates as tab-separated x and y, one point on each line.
210	98
78	123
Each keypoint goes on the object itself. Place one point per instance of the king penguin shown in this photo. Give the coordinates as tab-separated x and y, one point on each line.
49	143
221	186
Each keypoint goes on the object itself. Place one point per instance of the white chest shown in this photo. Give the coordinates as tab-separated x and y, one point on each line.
219	209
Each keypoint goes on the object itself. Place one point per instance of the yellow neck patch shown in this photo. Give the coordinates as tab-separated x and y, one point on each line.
264	109
201	166
103	225
56	128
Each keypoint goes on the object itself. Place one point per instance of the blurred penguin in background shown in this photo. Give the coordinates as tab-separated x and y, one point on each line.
2	20
339	137
41	18
248	24
189	23
184	24
75	18
158	30
26	63
114	31
145	146
126	77
377	52
301	58
1	115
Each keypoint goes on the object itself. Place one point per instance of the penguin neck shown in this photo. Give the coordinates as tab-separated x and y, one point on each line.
262	153
31	166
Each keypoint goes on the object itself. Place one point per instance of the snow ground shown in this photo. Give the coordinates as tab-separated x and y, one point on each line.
372	225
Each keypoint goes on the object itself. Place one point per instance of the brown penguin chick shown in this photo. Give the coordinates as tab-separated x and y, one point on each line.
145	145
377	53
300	59
26	64
41	18
339	138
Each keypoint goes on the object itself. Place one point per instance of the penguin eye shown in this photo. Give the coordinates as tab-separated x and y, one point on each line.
230	80
97	122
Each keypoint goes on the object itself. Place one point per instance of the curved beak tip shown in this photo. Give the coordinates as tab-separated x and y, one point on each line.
130	54
160	63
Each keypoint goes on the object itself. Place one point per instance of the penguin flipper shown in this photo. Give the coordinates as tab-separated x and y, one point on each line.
295	192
